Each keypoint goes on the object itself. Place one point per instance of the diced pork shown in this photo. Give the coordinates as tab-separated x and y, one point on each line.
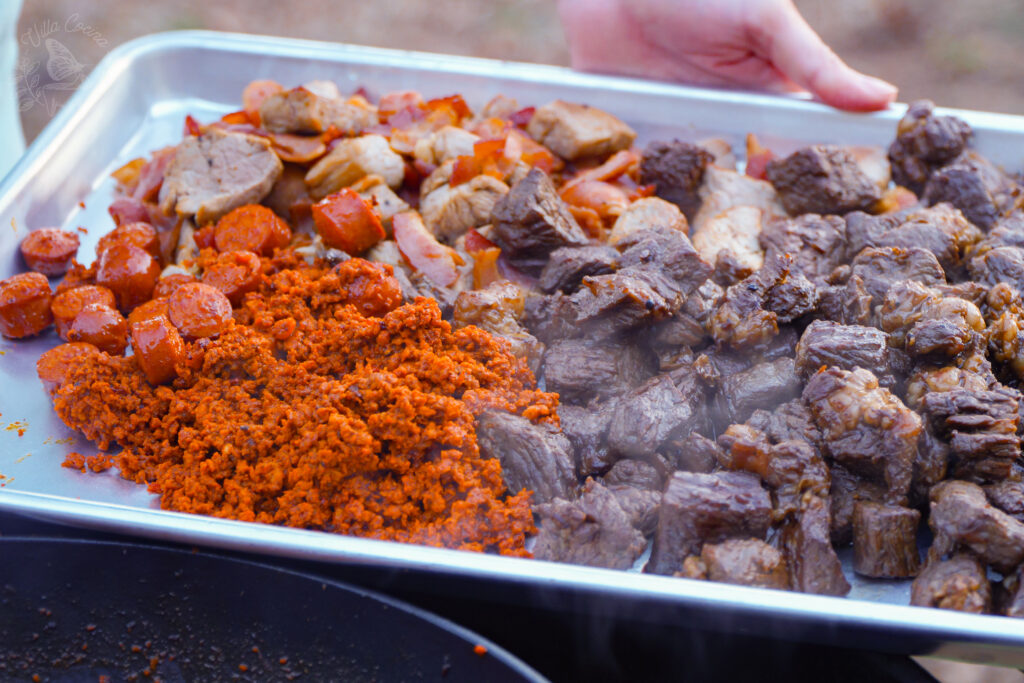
573	131
353	159
450	212
301	110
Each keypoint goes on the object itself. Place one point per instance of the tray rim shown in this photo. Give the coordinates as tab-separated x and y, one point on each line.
998	639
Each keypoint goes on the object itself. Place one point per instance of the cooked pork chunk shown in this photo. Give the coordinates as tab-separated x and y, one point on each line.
573	131
732	233
301	110
724	189
745	561
449	212
645	213
925	142
532	456
676	169
822	179
448	143
353	159
959	583
885	541
218	171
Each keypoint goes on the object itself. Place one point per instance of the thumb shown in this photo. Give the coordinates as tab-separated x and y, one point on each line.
799	53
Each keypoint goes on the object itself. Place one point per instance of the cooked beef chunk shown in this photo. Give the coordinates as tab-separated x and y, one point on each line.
706	508
531	220
450	211
926	380
761	386
821	179
745	561
981	427
498	309
940	229
925	142
567	266
681	330
909	313
665	407
941	338
813	564
865	427
751	310
551	317
640	505
636	473
817	243
592	530
587	431
646	213
789	421
1002	264
676	169
1009	597
1008	496
975	186
668	251
848	347
885	541
532	456
580	370
931	465
975	292
880	267
573	131
846	491
609	305
218	171
961	515
959	583
848	303
694	453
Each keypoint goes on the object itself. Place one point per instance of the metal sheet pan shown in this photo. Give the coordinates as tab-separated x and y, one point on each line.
136	101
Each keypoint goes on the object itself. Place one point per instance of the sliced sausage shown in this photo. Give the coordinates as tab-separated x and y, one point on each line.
69	303
25	305
158	349
346	221
130	272
141	235
252	228
102	326
236	273
199	310
166	285
49	250
53	366
154	308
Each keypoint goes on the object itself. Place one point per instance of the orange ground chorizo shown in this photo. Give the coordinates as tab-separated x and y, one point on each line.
252	228
102	326
68	304
158	349
25	305
128	271
49	250
53	366
199	310
236	273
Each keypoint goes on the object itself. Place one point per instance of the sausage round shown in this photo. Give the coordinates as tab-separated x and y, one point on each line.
141	235
166	285
154	308
53	366
102	326
235	273
199	310
128	271
49	250
25	305
158	349
69	303
252	228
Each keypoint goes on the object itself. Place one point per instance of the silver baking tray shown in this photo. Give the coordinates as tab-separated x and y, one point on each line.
136	101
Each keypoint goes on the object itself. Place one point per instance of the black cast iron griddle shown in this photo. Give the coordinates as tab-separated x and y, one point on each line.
77	610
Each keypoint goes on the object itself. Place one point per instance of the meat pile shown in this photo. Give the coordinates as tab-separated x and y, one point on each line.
754	368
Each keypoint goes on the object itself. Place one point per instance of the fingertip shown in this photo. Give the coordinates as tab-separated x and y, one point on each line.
861	93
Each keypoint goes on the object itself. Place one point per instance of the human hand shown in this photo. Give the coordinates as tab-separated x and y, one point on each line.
763	44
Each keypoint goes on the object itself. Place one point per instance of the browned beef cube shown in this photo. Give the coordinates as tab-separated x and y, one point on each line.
531	220
961	514
609	305
532	456
885	541
640	505
676	169
665	407
790	421
940	229
1008	496
747	562
846	491
939	338
567	266
813	564
959	583
636	473
880	267
1002	264
694	453
865	427
592	530
1010	596
981	428
975	292
931	465
551	317
975	186
581	370
679	330
762	386
792	297
587	431
848	303
817	243
706	508
825	344
666	250
925	142
823	179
